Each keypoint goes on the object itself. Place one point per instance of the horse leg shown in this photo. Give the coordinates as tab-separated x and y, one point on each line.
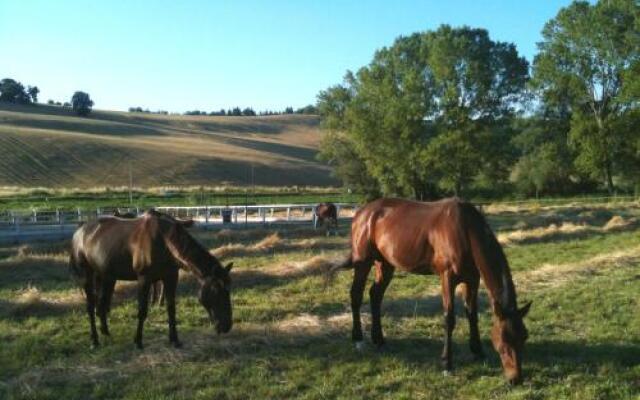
361	271
170	284
144	286
157	293
471	309
384	274
448	297
104	304
90	292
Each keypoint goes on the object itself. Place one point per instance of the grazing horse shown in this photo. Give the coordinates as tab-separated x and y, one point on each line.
146	249
327	214
448	237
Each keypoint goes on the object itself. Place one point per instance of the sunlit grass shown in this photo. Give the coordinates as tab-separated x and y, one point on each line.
291	337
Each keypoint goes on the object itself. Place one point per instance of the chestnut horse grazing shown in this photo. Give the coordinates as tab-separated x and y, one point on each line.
448	237
147	249
327	214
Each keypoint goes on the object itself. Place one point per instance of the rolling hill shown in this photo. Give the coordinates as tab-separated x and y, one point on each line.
52	147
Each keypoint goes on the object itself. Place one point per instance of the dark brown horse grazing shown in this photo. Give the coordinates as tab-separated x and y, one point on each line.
146	249
451	238
327	214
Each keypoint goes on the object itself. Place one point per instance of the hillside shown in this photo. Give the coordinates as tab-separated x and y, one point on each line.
50	146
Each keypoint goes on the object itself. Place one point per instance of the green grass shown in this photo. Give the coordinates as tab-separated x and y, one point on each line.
291	338
51	200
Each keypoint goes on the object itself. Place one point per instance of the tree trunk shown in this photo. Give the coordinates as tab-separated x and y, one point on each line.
609	177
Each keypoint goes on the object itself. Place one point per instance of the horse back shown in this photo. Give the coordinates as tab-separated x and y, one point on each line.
411	236
104	246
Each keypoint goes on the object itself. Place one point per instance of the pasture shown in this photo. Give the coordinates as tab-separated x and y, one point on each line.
579	264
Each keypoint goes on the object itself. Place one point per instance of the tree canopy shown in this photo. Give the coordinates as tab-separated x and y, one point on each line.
13	91
424	113
81	103
588	64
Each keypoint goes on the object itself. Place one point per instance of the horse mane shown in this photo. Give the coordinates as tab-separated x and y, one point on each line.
142	239
493	257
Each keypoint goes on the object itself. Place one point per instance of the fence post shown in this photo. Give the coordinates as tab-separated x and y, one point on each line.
313	216
206	216
34	216
288	213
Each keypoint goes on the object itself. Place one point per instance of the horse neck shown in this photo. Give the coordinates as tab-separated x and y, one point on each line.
502	283
190	253
493	265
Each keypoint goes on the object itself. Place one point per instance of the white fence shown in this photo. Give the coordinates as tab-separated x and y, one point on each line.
60	224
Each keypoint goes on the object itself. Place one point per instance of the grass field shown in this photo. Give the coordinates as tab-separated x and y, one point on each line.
52	147
15	199
291	338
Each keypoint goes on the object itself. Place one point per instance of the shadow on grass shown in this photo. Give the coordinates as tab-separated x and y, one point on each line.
45	273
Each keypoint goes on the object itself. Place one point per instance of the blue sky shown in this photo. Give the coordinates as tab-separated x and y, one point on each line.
207	55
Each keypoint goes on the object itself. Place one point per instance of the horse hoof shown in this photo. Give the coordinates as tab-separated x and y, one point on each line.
94	346
177	344
139	345
359	345
447	372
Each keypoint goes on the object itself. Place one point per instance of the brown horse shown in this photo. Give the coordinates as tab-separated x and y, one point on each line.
327	214
448	237
146	249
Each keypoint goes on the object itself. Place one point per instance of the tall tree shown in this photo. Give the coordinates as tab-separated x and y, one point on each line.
33	91
81	103
13	91
586	61
421	114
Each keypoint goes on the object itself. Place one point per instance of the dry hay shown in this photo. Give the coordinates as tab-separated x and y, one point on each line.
618	222
316	265
30	300
554	275
535	234
314	324
268	243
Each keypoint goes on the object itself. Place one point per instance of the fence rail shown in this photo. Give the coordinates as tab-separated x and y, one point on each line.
18	226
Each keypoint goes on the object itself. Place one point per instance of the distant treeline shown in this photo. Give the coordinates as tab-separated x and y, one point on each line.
236	111
12	91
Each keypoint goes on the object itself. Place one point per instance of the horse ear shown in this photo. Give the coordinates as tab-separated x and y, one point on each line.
229	266
524	310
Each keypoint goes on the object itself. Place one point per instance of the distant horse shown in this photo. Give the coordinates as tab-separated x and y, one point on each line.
157	290
327	214
448	237
147	249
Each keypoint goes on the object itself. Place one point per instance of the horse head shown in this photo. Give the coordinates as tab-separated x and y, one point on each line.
508	336
215	298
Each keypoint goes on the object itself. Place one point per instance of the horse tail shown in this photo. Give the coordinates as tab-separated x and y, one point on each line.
344	265
76	264
75	268
488	255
